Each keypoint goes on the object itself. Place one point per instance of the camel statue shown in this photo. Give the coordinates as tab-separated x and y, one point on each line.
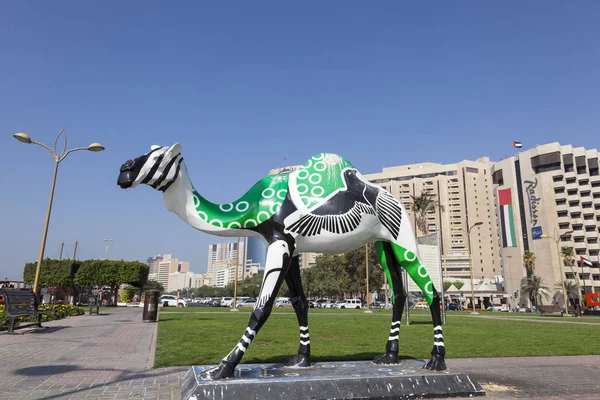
326	206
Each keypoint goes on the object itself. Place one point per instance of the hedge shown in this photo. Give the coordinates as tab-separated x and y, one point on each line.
61	311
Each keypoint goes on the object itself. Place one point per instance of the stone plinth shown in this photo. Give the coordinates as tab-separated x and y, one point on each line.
330	380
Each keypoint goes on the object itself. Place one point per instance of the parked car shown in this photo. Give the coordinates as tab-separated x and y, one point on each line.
247	303
421	305
226	301
454	307
349	303
170	300
283	303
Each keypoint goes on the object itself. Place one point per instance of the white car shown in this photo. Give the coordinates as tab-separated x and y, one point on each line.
170	300
226	301
349	303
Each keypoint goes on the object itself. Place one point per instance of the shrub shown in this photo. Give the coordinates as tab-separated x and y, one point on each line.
61	311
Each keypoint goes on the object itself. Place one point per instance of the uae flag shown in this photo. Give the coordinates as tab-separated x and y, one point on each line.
585	261
517	145
506	218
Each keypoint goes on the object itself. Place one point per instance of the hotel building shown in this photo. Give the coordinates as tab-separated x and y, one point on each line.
548	197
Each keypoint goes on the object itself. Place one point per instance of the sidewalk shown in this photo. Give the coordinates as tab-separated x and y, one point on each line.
111	356
95	357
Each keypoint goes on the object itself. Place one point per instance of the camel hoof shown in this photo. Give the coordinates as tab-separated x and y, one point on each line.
435	363
387	358
299	361
222	371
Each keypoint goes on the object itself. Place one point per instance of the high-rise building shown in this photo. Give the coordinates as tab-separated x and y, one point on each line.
548	197
160	266
181	280
465	192
153	263
256	251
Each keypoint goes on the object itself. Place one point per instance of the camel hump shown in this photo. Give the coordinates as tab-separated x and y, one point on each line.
328	159
317	179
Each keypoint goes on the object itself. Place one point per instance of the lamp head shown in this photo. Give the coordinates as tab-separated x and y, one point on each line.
95	147
22	137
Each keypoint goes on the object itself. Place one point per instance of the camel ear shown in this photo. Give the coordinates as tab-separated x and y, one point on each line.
174	150
155	146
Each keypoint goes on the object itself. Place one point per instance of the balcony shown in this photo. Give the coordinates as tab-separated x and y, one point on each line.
571	174
565	219
575	208
593	246
580	245
562	207
560	196
572	197
585	188
595	178
572	186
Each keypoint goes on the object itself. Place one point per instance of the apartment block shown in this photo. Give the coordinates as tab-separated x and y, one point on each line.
465	192
548	197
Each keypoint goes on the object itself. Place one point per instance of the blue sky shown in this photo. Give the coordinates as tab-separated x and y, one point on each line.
248	86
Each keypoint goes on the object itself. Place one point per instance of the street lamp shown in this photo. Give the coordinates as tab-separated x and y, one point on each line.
556	238
57	158
107	241
237	263
471	264
368	310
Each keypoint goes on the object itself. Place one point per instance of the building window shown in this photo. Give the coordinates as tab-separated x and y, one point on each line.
581	170
472	170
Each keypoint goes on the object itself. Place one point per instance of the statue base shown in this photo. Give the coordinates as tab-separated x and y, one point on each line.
330	380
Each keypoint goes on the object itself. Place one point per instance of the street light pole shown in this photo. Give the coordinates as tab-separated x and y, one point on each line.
57	158
471	264
368	310
107	241
237	262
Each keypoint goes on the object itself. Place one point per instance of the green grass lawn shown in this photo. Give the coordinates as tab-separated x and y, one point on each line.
197	336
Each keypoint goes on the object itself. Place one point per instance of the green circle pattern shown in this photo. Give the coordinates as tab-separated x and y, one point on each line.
255	206
320	177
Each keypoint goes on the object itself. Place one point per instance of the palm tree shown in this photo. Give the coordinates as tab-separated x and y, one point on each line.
529	259
567	254
534	289
422	205
572	289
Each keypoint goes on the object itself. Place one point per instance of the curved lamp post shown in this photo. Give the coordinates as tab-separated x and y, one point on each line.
57	158
471	264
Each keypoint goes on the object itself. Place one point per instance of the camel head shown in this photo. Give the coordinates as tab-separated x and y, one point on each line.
158	168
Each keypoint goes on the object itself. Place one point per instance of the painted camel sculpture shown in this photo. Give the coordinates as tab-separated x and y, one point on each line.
326	206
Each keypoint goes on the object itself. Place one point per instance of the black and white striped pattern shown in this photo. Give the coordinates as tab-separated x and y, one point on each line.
438	338
304	336
394	330
389	212
164	172
311	224
244	342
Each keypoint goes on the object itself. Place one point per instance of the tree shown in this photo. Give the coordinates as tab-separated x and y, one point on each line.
529	260
421	206
447	285
134	273
54	273
458	284
572	289
534	289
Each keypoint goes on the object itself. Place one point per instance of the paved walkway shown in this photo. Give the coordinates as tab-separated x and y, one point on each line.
110	357
94	357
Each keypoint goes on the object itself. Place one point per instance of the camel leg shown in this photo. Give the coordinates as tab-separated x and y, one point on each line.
418	273
300	303
392	271
276	267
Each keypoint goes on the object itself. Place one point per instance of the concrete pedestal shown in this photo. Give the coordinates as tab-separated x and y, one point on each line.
331	380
